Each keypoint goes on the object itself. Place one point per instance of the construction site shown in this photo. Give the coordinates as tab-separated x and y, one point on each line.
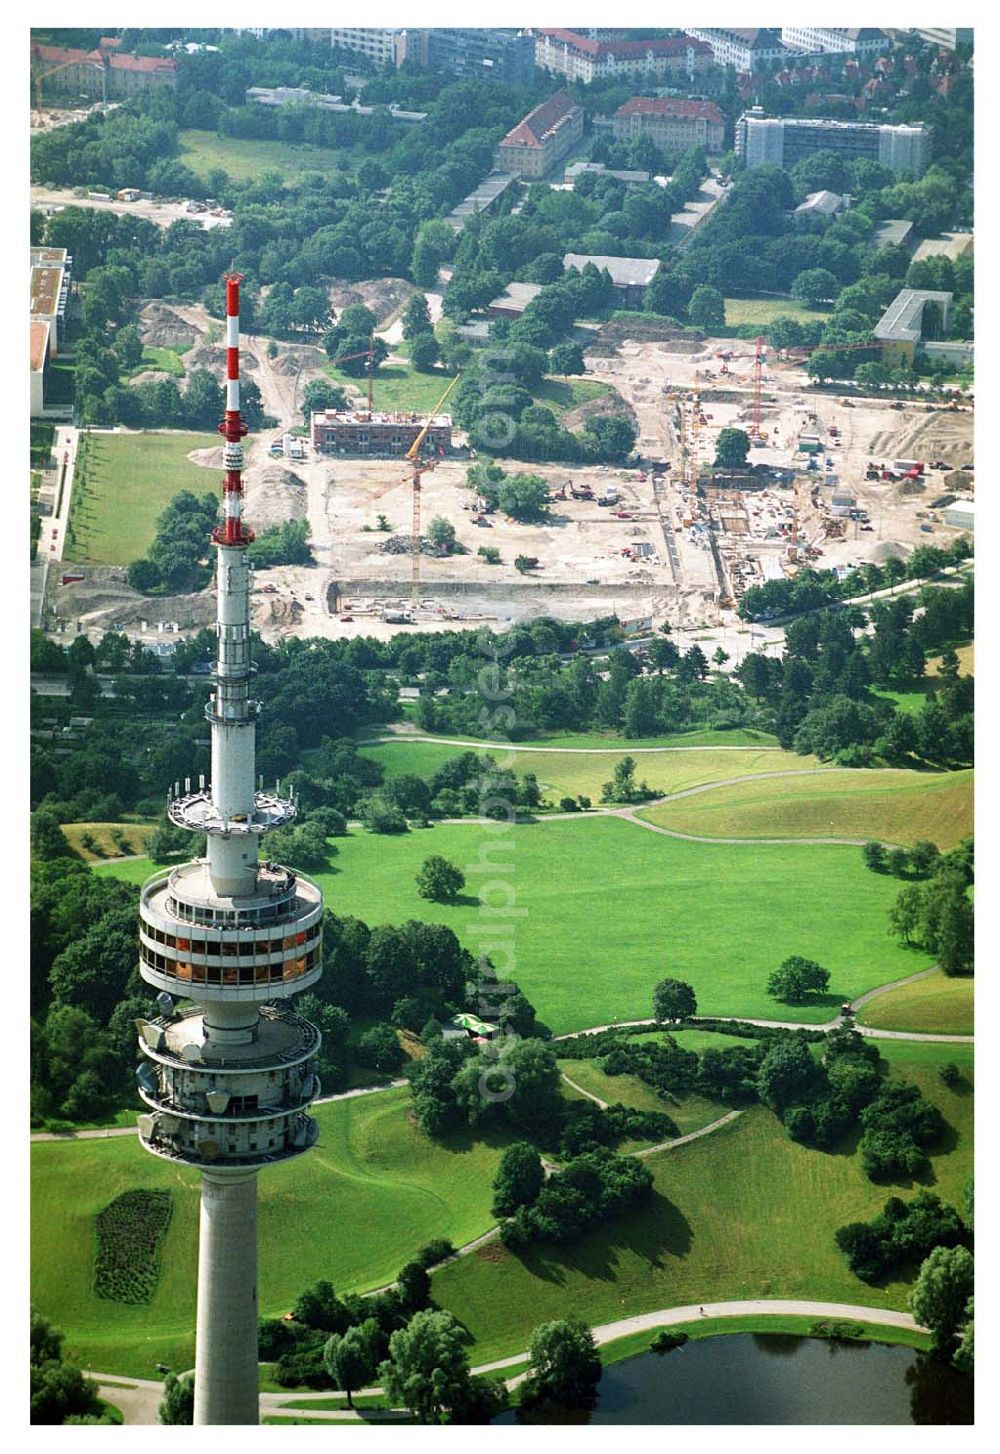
830	480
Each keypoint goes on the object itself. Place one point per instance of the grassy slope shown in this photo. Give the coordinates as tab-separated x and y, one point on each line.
689	1113
574	773
563	394
371	1193
136	835
132	477
897	806
936	1003
613	742
742	1213
203	150
765	310
399	387
167	360
608	908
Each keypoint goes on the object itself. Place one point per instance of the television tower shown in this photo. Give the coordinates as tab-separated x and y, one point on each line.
228	1080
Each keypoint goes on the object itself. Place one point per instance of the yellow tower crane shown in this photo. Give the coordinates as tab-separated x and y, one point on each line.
420	466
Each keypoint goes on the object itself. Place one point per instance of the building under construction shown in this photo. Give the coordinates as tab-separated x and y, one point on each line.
378	434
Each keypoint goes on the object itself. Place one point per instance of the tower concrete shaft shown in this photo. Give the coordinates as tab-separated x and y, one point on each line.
229	1080
227	1302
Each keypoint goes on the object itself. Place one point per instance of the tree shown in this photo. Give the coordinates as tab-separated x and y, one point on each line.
731	449
524	563
941	1293
351	1358
519	1178
380	1049
674	1000
955	929
416	317
177	1404
874	855
321	394
814	286
787	1074
47	838
319	1307
567	358
707	308
439	880
59	1392
425	351
428	1368
796	978
441	534
565	1366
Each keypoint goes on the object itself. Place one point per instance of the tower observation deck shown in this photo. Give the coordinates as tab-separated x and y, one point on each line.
228	1081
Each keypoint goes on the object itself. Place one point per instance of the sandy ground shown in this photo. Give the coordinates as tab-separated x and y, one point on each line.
162	213
591	561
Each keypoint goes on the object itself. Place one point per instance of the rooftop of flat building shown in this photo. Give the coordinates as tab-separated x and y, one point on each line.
901	321
625	271
381	417
46	286
517	295
823	201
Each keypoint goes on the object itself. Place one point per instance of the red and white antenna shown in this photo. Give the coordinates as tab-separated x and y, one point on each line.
232	428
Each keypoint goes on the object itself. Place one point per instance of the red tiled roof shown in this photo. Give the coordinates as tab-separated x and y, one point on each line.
669	106
672	45
538	123
58	55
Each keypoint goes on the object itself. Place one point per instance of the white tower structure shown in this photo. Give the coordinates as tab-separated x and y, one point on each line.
229	1079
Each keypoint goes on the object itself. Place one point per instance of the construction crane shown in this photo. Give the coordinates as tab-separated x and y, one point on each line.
54	70
369	354
758	368
420	466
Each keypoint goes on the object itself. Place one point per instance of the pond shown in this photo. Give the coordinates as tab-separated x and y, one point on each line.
755	1378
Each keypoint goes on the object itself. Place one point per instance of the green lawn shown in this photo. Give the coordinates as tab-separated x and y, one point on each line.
613	742
399	387
689	1112
204	150
742	1213
897	806
354	1210
570	774
605	909
166	360
130	479
766	310
936	1004
563	394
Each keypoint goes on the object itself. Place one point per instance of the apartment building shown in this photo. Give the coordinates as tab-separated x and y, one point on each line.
539	143
378	44
858	40
100	72
508	55
744	50
580	58
673	124
357	432
783	141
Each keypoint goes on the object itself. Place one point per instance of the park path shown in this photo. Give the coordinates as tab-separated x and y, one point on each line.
867	1030
487	746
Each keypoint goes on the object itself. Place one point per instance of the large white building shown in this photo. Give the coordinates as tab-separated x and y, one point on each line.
784	140
579	58
744	50
858	40
378	43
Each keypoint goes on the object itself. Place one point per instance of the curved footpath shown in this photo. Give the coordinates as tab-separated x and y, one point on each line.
140	1396
102	1133
505	746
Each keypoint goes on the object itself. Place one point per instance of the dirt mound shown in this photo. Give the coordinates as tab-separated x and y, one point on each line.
960	481
273	495
649	330
161	327
384	296
211	457
612	403
275	611
149	376
889	548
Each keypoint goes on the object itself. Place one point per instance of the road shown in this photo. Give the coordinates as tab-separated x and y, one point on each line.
53	533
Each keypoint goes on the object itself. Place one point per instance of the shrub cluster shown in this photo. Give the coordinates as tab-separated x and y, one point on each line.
130	1231
903	1232
590	1189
